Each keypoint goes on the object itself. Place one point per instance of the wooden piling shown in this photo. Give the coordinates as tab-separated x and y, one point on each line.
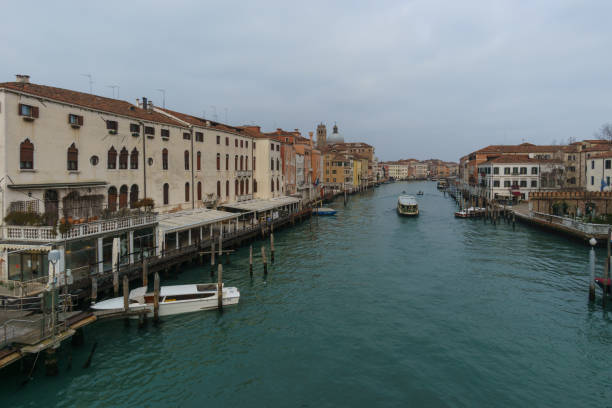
126	293
220	248
251	260
607	271
156	298
116	282
272	247
513	221
263	257
94	289
212	258
145	272
593	242
220	287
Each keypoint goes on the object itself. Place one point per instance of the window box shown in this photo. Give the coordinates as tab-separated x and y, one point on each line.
135	134
149	131
29	113
112	132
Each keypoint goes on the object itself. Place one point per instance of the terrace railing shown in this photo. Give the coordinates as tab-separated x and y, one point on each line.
587	228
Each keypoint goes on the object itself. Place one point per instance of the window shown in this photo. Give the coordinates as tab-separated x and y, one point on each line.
134	159
236	162
495	183
133	195
277	188
523	170
112	125
218	161
149	130
608	181
272	146
123	196
199	136
227	141
254	145
166	194
278	148
495	170
277	164
236	187
28	111
592	180
186	155
254	185
235	142
272	185
123	159
272	164
199	161
134	128
165	133
112	198
227	192
241	187
165	159
246	185
506	170
227	162
608	164
523	183
26	155
246	144
218	139
515	170
534	183
534	170
241	143
241	162
592	164
186	136
75	120
112	158
253	163
186	192
199	190
73	158
246	162
94	160
507	183
218	189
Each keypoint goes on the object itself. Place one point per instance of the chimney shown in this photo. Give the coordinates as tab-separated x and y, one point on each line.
24	79
150	107
310	134
144	103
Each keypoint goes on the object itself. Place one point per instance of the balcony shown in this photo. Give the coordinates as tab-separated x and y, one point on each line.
244	197
244	173
77	231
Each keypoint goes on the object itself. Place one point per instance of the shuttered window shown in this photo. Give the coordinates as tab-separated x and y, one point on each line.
75	120
134	128
165	133
186	159
165	159
123	159
26	155
112	125
199	161
187	192
73	158
166	193
112	158
199	136
149	130
134	159
27	110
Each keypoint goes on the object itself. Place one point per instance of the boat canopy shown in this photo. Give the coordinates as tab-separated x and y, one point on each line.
407	200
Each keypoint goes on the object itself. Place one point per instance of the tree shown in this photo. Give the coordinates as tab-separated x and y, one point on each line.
605	132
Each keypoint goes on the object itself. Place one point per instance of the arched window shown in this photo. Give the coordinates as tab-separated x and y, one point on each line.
165	159
272	164
247	186
241	162
166	194
218	188
277	188
26	155
218	161
123	196
133	195
227	192
272	185
253	163
277	164
199	190
112	198
227	162
73	158
134	159
123	158
187	192
254	185
112	158
199	162
236	162
236	187
241	187
246	162
186	159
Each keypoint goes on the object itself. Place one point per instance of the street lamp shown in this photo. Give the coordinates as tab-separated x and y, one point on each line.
53	256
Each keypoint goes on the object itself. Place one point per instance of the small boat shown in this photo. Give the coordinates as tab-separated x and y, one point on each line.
462	214
607	283
407	205
420	193
174	299
324	211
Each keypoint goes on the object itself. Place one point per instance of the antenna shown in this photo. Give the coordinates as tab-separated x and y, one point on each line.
225	115
163	91
90	82
114	86
214	108
204	114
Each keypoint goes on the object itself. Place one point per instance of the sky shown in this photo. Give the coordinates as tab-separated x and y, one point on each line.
422	78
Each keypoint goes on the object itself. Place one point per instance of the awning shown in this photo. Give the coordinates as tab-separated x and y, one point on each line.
185	220
57	185
260	205
20	247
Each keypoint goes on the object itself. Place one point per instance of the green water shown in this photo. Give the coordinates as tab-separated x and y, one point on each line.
363	309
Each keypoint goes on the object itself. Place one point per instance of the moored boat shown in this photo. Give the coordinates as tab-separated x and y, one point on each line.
407	205
174	299
324	211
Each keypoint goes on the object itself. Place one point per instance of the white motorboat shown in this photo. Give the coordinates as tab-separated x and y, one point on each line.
407	205
175	299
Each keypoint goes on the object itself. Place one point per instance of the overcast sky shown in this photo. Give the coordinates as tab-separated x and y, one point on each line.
423	78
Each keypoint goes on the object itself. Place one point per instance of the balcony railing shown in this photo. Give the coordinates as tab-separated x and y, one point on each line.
50	234
244	173
244	197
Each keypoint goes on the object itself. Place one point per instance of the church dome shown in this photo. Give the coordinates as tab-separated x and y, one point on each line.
335	137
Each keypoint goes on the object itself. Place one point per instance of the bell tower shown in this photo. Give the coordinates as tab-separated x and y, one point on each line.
321	135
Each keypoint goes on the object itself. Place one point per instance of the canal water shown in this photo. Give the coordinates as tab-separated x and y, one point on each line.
363	309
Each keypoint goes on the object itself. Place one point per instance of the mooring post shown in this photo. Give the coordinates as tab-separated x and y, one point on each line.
272	247
513	221
156	298
51	362
212	258
126	293
116	283
593	242
94	289
251	260
115	265
220	287
145	272
607	271
220	248
263	257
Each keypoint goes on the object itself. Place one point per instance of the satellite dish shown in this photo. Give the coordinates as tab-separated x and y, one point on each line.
54	255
